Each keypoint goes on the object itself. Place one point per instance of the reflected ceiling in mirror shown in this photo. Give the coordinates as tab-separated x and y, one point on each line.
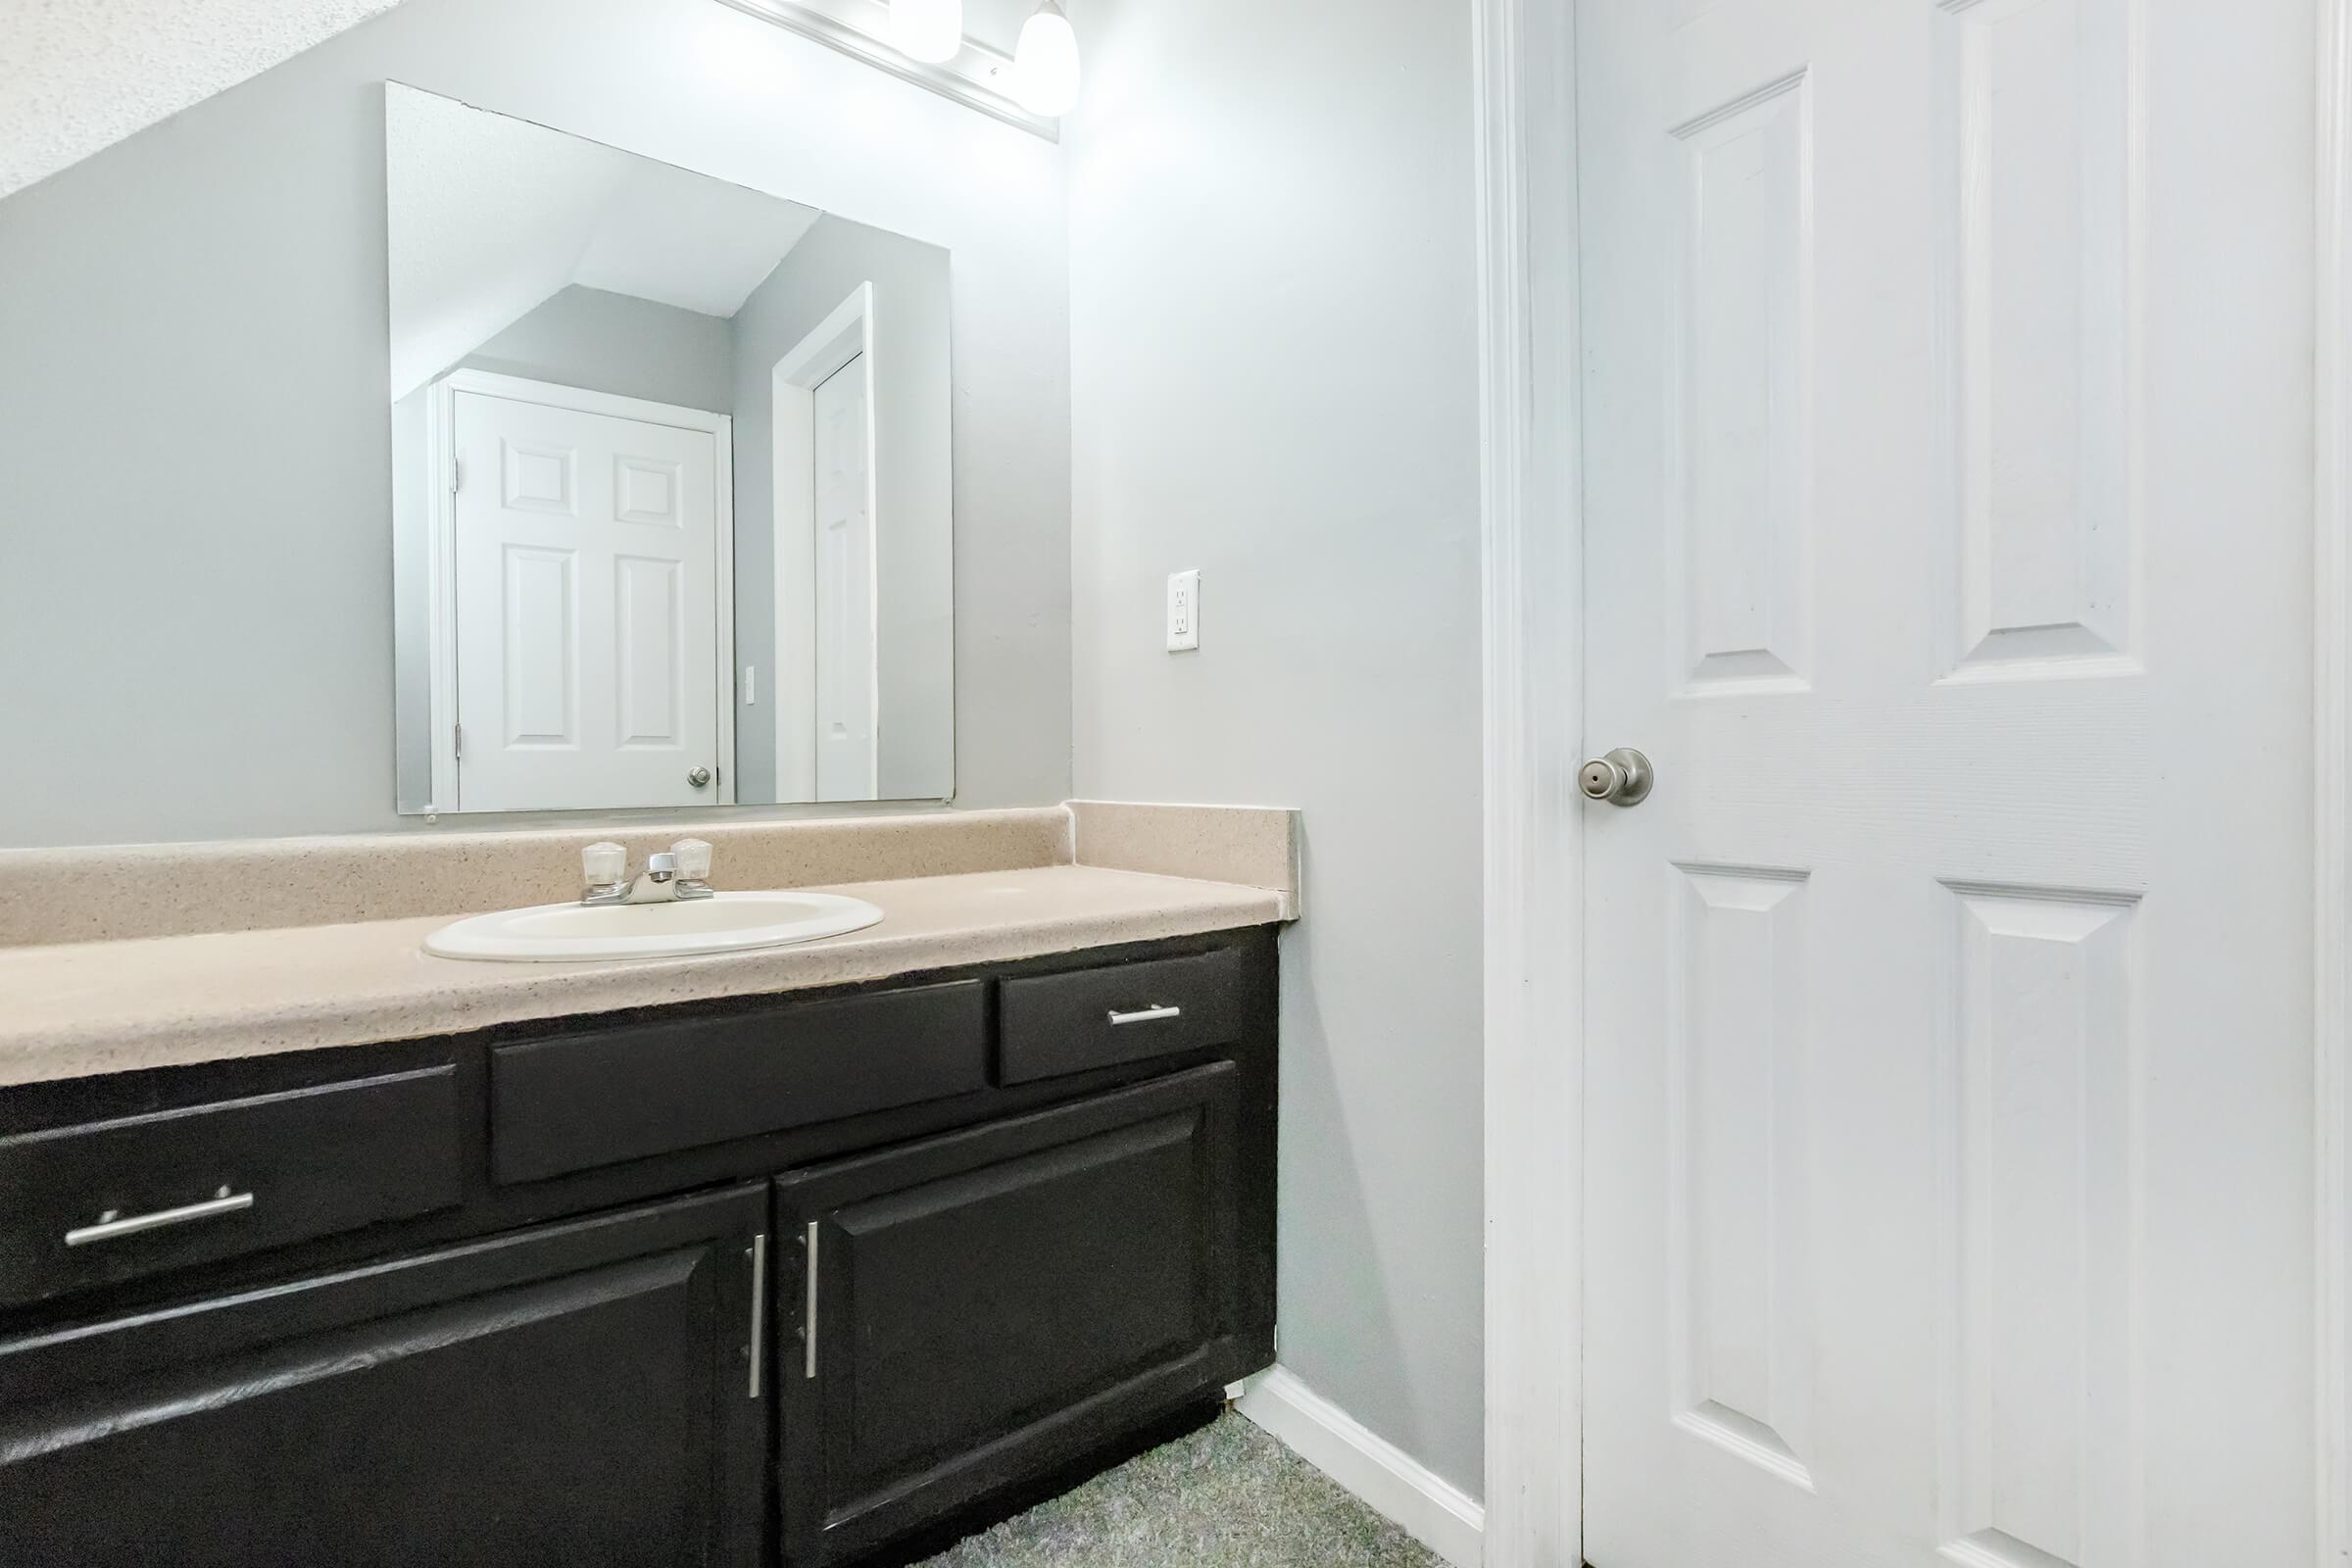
673	483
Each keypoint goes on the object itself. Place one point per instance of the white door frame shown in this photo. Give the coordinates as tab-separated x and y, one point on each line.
2331	751
841	336
441	550
1531	548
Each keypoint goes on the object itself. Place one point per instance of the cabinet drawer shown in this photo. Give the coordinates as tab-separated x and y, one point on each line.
112	1201
1087	1018
575	1102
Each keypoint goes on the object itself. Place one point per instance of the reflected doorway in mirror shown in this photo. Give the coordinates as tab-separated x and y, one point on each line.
827	692
581	601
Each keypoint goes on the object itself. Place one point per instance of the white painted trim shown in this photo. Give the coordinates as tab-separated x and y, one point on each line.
441	551
1381	1475
579	399
440	598
2332	748
1532	555
976	77
846	334
723	630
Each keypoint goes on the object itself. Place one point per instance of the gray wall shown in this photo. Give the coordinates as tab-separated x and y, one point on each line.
913	492
617	343
584	337
195	479
1273	288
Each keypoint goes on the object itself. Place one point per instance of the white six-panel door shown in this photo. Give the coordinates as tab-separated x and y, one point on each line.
586	582
1948	1112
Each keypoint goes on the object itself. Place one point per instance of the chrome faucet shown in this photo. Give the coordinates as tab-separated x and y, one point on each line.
681	872
658	883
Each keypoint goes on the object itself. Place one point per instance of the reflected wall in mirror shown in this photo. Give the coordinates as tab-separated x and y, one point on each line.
671	482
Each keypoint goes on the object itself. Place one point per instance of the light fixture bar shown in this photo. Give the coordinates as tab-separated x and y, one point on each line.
978	77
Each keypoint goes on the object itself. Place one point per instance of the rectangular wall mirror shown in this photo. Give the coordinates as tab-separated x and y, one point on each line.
672	483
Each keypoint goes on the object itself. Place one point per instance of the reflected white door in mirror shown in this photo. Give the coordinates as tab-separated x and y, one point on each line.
582	620
822	397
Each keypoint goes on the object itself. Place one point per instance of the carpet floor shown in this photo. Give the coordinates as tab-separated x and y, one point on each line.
1228	1495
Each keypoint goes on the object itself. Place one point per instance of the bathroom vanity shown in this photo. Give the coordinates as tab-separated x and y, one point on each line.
618	478
755	1278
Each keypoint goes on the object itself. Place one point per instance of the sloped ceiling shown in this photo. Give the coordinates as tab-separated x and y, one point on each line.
491	216
77	76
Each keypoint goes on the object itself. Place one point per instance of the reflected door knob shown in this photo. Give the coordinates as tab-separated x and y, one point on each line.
1621	778
699	777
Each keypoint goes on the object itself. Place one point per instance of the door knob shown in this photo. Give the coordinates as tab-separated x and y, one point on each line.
699	777
1621	778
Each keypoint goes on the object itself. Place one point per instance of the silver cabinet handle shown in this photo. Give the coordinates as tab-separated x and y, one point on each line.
809	1318
1145	1015
758	1251
112	1225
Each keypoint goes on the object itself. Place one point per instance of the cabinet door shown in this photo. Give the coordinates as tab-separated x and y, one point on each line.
581	1393
995	1304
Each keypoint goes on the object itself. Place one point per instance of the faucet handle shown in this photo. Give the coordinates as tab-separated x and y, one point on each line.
604	865
693	857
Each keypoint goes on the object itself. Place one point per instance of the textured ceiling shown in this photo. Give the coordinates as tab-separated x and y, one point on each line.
78	75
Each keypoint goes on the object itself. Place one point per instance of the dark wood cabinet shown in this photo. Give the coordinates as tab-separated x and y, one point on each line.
579	1393
788	1279
997	1301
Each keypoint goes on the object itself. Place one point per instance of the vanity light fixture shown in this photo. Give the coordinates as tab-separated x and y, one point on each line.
1045	62
929	31
973	71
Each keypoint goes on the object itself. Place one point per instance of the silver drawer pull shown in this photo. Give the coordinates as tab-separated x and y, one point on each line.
757	1253
808	1316
112	1225
1146	1016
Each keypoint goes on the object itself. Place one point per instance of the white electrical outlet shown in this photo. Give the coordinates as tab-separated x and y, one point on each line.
1183	611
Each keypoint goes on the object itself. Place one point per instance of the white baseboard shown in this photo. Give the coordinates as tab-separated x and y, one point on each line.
1383	1477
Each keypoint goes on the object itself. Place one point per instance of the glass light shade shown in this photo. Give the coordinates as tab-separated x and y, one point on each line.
927	29
1044	64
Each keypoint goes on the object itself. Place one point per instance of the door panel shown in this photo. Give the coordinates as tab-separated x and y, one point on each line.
994	1303
578	1393
1098	1213
587	581
1947	507
846	760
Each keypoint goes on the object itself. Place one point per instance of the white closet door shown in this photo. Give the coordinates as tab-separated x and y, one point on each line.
847	766
586	607
1948	1112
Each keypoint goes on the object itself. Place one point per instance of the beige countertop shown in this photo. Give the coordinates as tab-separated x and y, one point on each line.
72	1009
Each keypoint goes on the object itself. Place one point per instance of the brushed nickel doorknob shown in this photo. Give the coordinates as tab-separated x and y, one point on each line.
1621	778
699	777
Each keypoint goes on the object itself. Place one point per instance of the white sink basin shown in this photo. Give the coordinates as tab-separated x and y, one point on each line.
725	922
